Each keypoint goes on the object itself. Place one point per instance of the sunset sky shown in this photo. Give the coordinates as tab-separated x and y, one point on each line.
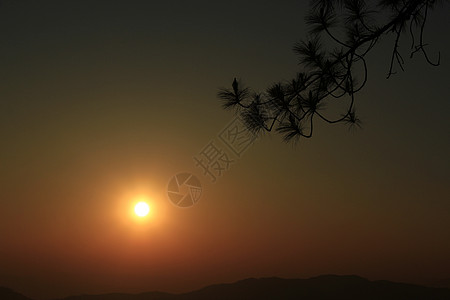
102	102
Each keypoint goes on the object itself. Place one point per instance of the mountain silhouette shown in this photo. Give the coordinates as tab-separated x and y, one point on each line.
317	288
8	294
121	296
325	287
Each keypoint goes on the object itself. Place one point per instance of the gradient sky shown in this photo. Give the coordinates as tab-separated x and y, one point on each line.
102	102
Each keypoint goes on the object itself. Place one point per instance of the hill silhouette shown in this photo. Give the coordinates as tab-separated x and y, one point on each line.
9	294
323	287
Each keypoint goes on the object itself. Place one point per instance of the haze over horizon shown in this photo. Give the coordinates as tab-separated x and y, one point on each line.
103	102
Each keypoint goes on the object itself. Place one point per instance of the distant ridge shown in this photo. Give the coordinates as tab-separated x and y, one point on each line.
9	294
324	287
121	296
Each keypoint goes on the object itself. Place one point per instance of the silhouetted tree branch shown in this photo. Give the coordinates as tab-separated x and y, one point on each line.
330	72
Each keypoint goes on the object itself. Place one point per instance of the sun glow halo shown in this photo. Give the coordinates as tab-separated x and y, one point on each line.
141	209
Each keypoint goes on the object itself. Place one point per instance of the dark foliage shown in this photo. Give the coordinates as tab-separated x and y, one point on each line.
329	73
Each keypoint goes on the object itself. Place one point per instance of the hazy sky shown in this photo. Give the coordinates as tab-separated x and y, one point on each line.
102	102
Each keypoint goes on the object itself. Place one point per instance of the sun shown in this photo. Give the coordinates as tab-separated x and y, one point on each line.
141	209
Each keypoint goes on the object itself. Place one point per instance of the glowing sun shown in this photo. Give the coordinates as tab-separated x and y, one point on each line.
141	209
